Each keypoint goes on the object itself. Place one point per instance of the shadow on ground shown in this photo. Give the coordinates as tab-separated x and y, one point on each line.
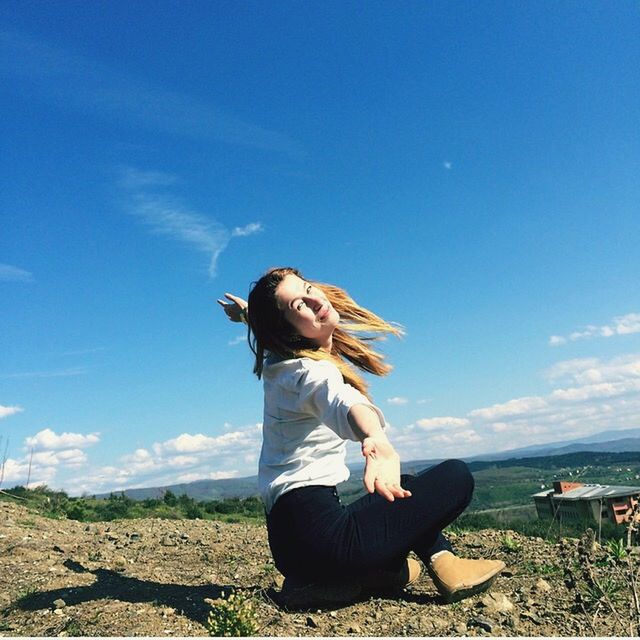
186	599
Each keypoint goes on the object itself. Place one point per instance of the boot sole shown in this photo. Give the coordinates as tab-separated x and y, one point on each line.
315	595
465	591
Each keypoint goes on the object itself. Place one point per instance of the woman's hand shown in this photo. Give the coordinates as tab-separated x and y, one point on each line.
236	310
382	468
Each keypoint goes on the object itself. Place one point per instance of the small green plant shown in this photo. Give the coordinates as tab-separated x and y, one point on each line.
602	591
73	629
24	595
510	544
616	549
232	616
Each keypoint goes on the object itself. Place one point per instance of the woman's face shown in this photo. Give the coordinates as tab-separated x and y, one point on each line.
307	309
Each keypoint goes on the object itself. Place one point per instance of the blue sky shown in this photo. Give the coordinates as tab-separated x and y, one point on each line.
469	170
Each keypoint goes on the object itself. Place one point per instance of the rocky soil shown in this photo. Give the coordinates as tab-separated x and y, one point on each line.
158	577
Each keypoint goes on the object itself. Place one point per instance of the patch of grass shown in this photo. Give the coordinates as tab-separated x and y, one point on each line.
27	523
232	616
510	544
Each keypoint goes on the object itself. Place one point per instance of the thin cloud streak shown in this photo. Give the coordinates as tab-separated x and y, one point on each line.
166	216
70	80
9	273
170	219
58	373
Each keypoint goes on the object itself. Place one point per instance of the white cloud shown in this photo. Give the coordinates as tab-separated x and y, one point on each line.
16	472
248	230
185	443
48	440
620	325
9	273
214	475
182	461
601	395
447	165
237	340
513	407
459	438
67	457
397	400
439	422
5	412
592	370
185	458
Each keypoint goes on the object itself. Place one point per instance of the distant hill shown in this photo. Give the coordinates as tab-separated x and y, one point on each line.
612	441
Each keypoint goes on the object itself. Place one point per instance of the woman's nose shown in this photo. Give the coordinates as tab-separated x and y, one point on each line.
315	302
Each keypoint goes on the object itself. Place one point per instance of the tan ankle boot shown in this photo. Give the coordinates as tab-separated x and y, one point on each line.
392	580
457	578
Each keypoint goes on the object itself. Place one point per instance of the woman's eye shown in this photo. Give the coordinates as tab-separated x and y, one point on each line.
299	305
308	289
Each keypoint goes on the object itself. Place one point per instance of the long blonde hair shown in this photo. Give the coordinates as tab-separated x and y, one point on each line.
270	332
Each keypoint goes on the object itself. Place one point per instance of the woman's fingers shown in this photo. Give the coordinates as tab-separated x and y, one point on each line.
384	490
235	299
369	481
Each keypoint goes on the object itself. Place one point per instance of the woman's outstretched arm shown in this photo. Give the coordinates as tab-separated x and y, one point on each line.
236	310
382	463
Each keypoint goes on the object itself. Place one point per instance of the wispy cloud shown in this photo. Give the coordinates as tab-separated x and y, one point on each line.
56	373
165	215
5	412
132	178
72	81
398	400
440	422
9	273
81	352
237	340
619	326
447	165
248	230
171	219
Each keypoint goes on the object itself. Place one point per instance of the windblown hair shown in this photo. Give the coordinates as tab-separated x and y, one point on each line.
270	332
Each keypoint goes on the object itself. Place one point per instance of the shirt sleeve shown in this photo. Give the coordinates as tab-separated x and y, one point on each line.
324	394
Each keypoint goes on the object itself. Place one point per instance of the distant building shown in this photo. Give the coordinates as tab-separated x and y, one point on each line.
575	501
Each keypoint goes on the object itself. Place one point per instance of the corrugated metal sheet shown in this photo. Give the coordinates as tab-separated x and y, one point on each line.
591	492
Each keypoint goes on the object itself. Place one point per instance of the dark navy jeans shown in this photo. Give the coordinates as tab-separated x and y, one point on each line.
314	537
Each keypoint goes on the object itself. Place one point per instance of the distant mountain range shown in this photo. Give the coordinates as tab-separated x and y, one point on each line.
613	441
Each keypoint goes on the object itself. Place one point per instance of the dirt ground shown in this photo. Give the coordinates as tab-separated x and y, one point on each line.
156	577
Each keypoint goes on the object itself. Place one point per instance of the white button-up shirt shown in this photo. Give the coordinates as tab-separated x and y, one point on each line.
305	426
